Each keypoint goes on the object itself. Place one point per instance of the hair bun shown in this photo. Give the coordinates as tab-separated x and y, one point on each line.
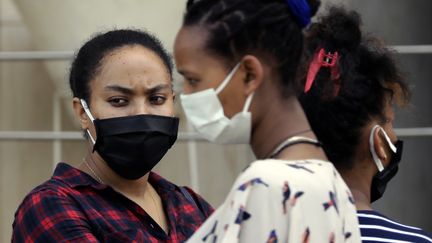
340	29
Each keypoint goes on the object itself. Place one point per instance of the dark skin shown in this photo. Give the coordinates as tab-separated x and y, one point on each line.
274	119
132	80
359	178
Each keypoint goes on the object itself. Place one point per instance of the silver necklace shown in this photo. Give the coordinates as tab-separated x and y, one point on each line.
93	172
292	141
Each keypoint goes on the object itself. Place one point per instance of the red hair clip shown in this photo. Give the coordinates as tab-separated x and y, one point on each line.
322	59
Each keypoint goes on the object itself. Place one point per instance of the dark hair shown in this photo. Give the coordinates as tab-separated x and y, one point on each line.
266	28
368	75
89	57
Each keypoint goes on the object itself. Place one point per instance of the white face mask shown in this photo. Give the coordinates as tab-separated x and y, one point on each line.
375	157
205	112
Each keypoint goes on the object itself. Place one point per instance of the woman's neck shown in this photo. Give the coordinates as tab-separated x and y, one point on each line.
99	170
279	121
139	191
359	184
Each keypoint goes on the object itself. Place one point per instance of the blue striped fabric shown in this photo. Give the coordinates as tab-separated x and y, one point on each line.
375	227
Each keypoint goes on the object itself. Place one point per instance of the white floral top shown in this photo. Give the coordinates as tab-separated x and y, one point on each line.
284	201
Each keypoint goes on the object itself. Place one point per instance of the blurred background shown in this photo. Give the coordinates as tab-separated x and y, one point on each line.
37	128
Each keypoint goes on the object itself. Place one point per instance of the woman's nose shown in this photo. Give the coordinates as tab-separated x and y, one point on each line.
141	108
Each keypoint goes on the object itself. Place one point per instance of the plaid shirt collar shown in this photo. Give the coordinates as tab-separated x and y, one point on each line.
76	178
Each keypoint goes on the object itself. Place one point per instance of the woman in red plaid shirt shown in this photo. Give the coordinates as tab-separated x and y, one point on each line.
123	97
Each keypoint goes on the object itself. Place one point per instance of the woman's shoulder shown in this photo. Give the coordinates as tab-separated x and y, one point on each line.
316	175
47	191
275	168
310	163
195	199
183	195
56	190
45	198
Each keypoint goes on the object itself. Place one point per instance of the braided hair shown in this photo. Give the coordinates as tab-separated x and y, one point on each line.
265	28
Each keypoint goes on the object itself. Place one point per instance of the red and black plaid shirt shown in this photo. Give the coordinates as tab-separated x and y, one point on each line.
71	206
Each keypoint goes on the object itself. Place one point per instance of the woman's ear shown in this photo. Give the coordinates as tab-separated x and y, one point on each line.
380	144
80	113
254	73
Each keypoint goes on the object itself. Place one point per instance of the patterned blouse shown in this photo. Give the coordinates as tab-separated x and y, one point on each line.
284	201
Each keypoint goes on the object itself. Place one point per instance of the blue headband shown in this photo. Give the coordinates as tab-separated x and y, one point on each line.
301	10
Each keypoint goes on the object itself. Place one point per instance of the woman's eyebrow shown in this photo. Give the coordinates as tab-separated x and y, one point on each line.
120	89
129	91
159	88
185	72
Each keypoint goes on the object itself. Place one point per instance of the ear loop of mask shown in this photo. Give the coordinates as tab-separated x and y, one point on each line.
87	111
375	157
248	103
227	80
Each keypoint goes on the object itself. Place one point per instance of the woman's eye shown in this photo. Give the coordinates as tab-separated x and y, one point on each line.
192	81
157	100
118	101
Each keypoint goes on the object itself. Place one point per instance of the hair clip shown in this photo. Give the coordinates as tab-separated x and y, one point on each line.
328	59
323	59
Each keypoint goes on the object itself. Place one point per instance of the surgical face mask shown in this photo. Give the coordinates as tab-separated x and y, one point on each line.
205	112
384	175
132	145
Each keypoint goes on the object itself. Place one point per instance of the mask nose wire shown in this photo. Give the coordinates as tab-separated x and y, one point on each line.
87	111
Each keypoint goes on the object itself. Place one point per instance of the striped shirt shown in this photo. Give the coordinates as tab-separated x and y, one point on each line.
375	227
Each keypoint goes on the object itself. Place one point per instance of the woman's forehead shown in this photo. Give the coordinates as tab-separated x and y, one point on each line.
130	66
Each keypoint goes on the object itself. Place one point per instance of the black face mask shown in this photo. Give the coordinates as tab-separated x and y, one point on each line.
132	145
380	180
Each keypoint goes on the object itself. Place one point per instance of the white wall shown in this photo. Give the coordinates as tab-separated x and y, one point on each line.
25	99
66	24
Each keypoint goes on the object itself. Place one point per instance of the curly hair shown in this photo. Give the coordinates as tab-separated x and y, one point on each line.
368	75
